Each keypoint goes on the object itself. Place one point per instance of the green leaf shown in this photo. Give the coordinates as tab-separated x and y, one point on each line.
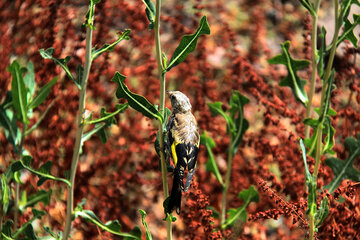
322	213
41	196
237	102
348	31
5	194
322	52
27	229
292	80
29	80
108	118
43	93
167	113
8	122
47	54
136	231
308	6
6	230
111	226
345	169
216	109
138	102
310	183
143	215
19	95
188	44
248	195
150	12
43	172
211	164
109	47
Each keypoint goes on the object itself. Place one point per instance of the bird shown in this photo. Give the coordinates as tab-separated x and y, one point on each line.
183	143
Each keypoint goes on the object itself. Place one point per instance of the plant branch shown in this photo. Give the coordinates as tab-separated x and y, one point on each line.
162	110
79	133
313	65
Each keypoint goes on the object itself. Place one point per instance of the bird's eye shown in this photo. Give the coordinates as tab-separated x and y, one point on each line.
172	97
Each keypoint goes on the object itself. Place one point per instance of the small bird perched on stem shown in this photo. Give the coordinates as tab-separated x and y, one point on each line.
183	140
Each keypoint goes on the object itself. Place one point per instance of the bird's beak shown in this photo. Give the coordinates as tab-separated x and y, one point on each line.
169	93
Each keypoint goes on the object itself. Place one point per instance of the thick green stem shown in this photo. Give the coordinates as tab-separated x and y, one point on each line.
313	65
162	109
79	133
325	80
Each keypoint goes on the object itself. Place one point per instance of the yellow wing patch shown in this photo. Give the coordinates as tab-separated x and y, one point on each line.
173	152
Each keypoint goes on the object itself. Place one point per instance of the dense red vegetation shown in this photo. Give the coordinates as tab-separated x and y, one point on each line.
122	176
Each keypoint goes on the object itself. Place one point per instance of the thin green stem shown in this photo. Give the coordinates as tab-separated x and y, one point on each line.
17	185
162	109
313	65
226	187
79	133
33	127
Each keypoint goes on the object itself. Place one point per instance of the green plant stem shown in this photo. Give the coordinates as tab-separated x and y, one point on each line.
226	187
162	109
327	74
313	65
79	133
17	185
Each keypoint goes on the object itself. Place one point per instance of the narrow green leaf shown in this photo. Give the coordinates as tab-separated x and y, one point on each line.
237	102
150	12
216	109
322	213
43	172
109	118
345	169
292	80
248	195
322	52
41	196
143	215
47	54
188	44
8	122
310	183
109	47
113	227
308	7
138	102
211	164
303	150
29	80
43	93
5	194
19	95
167	113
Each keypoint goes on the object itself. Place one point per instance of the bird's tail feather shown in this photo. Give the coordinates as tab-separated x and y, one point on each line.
175	197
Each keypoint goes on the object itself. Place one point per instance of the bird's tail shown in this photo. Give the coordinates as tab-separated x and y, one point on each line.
175	197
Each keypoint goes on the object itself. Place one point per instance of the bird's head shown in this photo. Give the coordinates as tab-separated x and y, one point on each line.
179	101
